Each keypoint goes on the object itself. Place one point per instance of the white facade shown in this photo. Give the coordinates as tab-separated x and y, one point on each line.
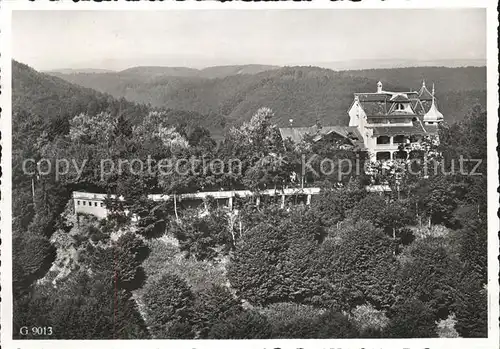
90	203
388	119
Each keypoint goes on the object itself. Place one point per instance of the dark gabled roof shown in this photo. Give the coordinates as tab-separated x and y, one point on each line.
349	132
424	94
381	103
297	134
422	106
392	116
399	98
373	97
415	129
393	111
383	96
417	106
401	113
374	108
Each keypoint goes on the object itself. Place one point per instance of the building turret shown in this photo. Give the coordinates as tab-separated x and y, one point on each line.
379	87
433	116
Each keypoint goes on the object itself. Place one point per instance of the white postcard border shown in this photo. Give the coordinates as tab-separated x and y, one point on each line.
6	8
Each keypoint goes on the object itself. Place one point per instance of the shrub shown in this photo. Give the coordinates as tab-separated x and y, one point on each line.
358	266
212	305
473	245
178	330
472	307
98	236
411	319
169	303
369	208
98	259
369	321
133	245
272	265
428	272
121	261
274	261
125	267
166	258
333	324
332	205
389	216
204	237
33	255
103	313
152	219
291	320
246	325
446	328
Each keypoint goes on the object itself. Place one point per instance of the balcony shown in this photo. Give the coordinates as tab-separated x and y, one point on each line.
394	141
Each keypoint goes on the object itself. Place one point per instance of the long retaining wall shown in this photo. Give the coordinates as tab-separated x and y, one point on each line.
229	195
93	203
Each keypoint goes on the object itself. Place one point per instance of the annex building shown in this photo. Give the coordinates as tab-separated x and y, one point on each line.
381	121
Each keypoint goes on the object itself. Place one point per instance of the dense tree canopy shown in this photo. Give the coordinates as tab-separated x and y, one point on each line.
350	264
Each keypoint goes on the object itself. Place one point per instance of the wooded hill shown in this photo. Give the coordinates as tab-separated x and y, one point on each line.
54	101
350	265
304	94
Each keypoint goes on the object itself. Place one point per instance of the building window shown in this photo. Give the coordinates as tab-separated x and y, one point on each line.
377	121
383	155
399	139
95	204
400	121
383	140
78	202
102	205
400	106
84	203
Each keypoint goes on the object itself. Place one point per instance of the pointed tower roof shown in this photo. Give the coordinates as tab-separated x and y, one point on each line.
433	115
424	94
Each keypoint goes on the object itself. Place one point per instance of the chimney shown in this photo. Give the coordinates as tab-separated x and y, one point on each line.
379	87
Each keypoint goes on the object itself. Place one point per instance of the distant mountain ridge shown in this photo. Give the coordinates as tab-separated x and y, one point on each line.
78	71
229	70
235	69
366	64
152	72
304	94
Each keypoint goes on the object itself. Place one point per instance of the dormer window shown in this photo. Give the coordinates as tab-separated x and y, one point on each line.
400	106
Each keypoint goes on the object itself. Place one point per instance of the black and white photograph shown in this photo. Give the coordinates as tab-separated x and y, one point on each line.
224	174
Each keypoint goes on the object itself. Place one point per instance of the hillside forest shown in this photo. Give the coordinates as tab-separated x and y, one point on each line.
304	94
408	263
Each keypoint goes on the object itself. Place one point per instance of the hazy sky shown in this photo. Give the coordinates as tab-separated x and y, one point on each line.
117	40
